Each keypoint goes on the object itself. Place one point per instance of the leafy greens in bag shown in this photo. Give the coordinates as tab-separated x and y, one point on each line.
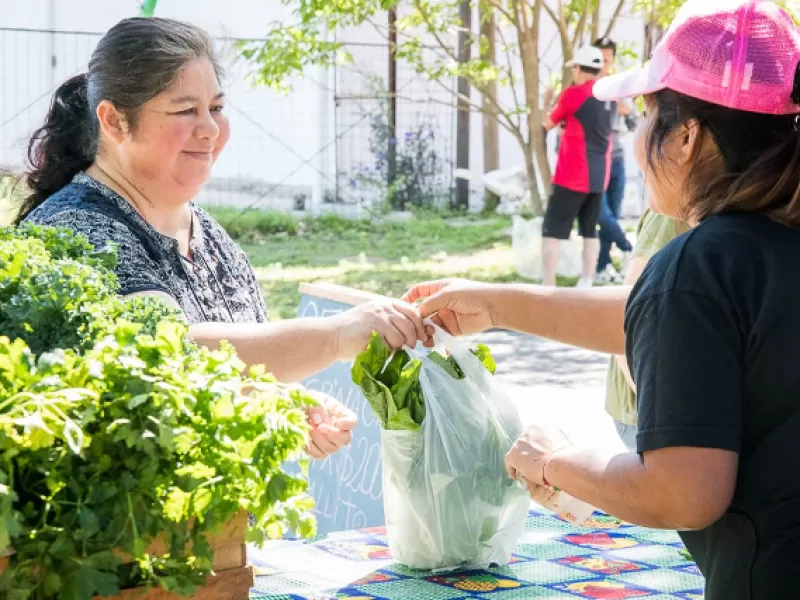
393	389
446	427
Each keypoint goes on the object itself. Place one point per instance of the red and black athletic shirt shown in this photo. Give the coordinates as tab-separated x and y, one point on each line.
584	154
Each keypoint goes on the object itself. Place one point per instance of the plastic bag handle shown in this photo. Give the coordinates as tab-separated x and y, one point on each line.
441	339
453	344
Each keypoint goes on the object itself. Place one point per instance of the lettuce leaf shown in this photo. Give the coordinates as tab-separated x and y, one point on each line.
390	383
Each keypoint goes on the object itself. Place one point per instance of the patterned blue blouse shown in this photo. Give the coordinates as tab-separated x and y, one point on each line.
217	285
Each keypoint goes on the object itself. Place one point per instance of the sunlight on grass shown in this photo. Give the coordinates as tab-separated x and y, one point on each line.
271	238
280	285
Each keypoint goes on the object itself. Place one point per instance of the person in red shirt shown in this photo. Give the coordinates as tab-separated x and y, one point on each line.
583	167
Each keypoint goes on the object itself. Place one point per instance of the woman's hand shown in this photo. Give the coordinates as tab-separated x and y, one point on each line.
398	323
332	426
529	454
460	306
546	497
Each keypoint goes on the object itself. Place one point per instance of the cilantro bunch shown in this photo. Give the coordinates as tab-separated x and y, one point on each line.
115	430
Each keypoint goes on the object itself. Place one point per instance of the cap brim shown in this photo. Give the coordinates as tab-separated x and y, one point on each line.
625	85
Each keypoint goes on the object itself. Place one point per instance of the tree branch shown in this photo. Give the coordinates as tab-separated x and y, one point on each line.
508	125
595	20
614	17
498	6
552	13
512	85
580	26
452	56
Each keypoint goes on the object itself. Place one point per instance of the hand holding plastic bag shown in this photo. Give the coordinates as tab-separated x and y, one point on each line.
526	462
448	499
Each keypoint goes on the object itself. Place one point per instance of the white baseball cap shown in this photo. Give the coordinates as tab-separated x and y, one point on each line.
587	56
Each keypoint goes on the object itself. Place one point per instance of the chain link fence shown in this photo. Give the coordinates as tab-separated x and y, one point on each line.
328	137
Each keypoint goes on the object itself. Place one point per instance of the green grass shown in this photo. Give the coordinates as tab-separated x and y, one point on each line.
271	239
375	256
381	257
283	296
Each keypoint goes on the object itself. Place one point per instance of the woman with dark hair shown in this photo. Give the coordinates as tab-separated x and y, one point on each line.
124	149
712	326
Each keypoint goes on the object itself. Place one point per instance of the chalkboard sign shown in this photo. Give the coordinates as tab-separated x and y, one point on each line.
348	485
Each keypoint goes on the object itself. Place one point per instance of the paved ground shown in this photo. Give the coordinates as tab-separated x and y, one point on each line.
554	383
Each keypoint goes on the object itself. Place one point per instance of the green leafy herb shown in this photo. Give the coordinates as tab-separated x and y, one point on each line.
115	430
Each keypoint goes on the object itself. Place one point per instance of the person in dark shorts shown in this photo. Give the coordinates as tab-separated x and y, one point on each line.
582	171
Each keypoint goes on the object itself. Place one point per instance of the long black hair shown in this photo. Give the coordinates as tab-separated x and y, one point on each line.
134	62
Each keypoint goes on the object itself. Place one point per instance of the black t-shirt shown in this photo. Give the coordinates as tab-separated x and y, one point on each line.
713	340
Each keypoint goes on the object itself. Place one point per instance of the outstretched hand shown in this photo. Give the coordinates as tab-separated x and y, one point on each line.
398	323
332	426
459	306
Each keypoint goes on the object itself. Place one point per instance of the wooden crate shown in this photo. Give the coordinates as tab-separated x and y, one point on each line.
232	580
231	584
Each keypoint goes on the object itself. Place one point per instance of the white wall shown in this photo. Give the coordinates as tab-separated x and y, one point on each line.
272	133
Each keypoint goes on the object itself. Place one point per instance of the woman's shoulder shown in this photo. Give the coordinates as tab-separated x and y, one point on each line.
84	210
74	204
719	254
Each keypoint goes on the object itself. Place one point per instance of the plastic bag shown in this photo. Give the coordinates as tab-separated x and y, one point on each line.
448	500
511	186
526	245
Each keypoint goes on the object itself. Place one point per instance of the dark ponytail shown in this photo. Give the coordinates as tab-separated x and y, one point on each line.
135	61
63	146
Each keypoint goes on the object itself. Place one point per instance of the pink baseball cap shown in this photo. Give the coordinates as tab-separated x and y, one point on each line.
742	54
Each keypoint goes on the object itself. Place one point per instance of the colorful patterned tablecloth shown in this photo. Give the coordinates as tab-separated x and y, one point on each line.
608	559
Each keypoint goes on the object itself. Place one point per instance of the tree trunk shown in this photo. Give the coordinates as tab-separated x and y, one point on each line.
652	35
463	113
529	45
491	128
567	51
491	132
530	171
540	150
614	17
595	21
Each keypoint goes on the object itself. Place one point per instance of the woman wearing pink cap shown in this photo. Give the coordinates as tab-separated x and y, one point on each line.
713	325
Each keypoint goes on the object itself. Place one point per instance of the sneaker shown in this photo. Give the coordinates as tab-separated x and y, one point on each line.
608	276
584	282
